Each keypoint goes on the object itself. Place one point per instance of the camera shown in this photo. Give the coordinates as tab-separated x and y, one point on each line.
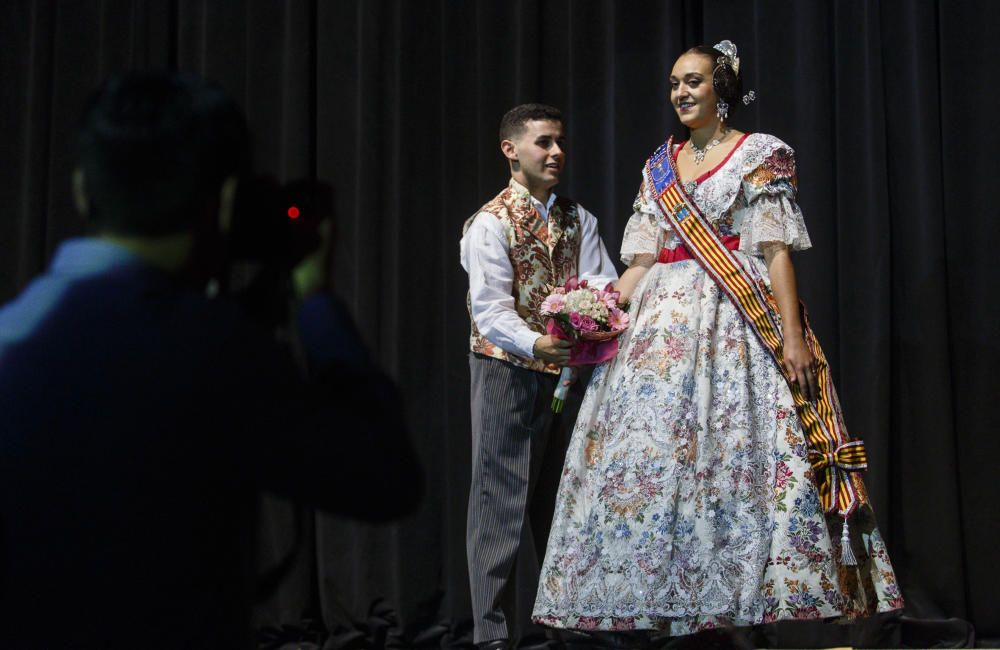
274	227
278	225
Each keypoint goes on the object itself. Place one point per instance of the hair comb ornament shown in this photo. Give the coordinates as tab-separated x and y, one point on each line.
729	58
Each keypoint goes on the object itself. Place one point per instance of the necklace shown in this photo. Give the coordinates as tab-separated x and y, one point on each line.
699	154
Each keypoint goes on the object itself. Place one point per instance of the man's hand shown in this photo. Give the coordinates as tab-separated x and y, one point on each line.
552	350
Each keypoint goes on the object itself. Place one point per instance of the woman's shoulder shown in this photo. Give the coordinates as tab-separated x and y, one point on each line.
765	142
767	139
766	150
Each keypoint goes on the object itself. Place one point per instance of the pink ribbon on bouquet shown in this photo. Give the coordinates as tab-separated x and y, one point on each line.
583	352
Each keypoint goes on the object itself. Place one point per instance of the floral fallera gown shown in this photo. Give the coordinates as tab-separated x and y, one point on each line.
686	500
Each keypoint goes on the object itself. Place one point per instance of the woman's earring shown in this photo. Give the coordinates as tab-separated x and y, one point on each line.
722	110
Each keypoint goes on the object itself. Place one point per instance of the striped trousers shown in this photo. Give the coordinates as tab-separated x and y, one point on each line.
518	448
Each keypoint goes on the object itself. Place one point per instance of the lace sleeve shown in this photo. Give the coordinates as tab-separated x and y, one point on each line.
772	215
642	233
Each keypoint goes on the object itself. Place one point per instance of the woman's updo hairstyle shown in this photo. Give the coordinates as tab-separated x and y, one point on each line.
726	81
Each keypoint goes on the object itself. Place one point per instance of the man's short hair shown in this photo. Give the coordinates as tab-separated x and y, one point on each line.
514	120
155	146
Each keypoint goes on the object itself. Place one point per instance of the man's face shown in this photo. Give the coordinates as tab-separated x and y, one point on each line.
538	154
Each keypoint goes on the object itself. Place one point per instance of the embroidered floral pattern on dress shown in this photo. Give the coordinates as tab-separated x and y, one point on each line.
687	500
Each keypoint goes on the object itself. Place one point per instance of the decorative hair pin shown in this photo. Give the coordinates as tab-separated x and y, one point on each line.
729	58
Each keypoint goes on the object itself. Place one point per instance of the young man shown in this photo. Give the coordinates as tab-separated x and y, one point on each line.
514	249
141	418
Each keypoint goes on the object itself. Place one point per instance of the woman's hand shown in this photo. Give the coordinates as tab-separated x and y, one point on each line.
799	361
801	366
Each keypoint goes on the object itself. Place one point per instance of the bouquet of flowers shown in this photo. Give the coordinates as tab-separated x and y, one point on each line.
592	318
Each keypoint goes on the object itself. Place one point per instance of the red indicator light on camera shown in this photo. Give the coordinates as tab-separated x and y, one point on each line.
293	212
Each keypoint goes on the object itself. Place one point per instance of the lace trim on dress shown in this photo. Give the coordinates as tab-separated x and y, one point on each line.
730	198
773	218
642	234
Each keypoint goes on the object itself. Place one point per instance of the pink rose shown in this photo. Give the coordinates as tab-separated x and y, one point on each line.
572	284
582	323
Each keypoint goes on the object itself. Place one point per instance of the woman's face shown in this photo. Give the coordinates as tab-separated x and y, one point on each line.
691	91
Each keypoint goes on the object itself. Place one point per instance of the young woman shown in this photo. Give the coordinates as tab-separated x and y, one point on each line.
710	476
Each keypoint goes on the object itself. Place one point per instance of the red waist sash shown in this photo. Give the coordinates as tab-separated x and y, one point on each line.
668	255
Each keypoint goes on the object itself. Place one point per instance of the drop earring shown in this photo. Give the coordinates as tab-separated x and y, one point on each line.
722	110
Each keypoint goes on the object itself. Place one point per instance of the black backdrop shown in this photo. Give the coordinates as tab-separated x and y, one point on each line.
890	106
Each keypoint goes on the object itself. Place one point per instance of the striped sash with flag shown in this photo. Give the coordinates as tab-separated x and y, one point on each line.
834	456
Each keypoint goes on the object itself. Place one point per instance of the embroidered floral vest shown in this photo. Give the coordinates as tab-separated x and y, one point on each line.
542	254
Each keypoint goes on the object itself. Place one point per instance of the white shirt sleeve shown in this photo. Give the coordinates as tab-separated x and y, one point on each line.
485	258
595	266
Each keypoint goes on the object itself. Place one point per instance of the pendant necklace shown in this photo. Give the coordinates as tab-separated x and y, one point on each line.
699	154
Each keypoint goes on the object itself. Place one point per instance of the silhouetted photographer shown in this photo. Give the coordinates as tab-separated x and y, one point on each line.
140	417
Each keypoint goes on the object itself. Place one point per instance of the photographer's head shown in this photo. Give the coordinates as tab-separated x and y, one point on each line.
159	152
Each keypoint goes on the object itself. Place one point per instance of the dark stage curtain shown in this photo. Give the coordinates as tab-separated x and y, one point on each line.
889	105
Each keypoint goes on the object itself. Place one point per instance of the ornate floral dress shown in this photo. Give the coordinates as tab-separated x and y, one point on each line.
686	500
